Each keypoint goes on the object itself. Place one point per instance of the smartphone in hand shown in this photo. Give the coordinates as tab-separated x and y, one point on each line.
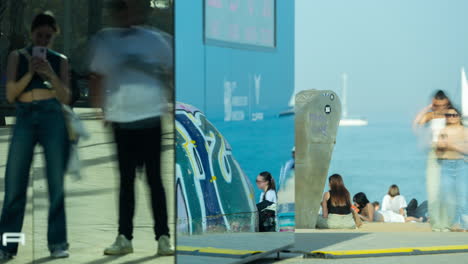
39	51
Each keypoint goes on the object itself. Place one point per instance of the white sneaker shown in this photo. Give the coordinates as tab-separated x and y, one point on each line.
121	246
59	253
165	247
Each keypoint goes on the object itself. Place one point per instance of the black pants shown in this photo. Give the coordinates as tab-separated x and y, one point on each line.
137	147
416	211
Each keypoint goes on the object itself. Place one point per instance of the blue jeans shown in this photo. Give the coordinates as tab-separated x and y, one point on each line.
454	191
36	122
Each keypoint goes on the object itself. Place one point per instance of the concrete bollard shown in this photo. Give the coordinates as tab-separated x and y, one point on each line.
317	119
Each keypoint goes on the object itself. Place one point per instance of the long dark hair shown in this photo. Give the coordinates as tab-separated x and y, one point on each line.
361	199
268	178
339	195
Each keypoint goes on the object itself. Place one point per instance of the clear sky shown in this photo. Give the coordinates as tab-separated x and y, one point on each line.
396	52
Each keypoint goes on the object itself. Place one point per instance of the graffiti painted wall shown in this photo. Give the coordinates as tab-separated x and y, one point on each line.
234	62
213	193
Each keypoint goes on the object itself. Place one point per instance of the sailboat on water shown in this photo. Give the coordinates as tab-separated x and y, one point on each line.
290	111
464	95
345	121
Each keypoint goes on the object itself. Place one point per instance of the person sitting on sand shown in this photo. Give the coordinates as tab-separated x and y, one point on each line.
376	206
366	210
394	208
336	206
416	210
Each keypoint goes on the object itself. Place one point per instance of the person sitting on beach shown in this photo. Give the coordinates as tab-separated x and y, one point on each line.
376	206
336	206
266	206
366	209
394	208
416	210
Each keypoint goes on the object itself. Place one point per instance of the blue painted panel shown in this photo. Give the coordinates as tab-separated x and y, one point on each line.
224	81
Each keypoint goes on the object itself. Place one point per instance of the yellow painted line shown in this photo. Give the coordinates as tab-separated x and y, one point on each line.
436	248
392	250
364	252
217	250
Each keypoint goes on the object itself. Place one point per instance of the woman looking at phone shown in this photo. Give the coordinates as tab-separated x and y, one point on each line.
38	84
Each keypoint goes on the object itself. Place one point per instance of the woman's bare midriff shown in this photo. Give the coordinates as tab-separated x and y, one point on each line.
450	155
36	95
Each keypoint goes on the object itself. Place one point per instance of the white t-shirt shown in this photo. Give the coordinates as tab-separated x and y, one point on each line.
393	204
389	217
131	94
270	196
437	124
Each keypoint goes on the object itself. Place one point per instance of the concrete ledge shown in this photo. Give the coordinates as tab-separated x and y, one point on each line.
244	256
215	252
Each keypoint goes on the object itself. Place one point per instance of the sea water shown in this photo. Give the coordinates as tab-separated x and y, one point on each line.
370	158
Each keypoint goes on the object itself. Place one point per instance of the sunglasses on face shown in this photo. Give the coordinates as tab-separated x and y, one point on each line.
452	115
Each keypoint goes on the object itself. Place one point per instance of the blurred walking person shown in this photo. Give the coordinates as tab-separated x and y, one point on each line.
452	152
434	116
131	65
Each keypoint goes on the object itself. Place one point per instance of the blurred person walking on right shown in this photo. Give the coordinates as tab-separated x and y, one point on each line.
434	116
131	68
452	151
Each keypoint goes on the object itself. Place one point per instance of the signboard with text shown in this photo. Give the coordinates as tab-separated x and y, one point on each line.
240	22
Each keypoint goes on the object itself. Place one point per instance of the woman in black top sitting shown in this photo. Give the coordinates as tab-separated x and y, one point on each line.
336	206
37	82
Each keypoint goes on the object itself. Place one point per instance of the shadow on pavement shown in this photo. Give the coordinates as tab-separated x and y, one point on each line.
306	242
46	260
105	259
142	260
44	193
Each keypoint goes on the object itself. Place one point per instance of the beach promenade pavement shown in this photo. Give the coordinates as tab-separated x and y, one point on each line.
91	202
396	240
